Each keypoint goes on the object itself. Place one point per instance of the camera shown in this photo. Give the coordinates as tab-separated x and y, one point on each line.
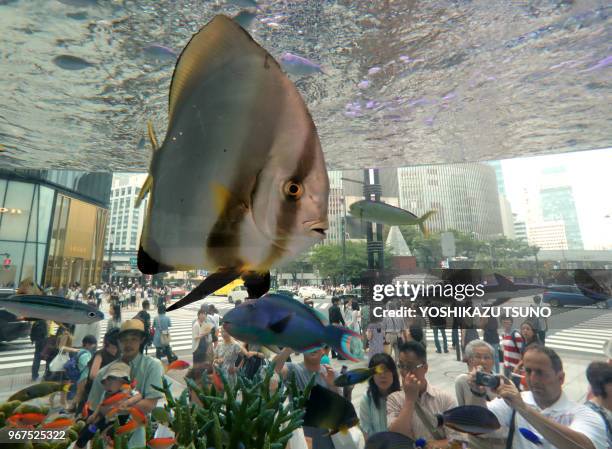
487	380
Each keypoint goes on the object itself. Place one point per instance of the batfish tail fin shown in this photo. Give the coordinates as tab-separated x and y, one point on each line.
209	285
421	222
146	187
345	342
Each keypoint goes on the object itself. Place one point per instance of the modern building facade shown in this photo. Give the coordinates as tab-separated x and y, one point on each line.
125	224
558	204
520	228
464	197
52	225
499	176
548	235
506	216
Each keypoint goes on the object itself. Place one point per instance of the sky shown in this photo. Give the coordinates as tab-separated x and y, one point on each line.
589	174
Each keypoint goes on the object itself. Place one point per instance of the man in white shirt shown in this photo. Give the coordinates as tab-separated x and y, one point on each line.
544	409
201	329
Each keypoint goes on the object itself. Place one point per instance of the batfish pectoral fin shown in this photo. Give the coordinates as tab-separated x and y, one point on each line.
221	196
148	265
280	325
209	285
257	284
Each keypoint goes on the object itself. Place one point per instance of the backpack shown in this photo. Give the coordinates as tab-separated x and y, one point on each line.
71	367
38	331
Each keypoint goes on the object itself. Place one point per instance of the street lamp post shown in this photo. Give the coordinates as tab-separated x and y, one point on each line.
344	241
110	257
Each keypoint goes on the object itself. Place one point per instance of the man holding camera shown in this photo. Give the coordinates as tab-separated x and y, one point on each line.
480	358
544	410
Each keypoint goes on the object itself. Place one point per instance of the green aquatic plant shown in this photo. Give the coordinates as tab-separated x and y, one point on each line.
247	415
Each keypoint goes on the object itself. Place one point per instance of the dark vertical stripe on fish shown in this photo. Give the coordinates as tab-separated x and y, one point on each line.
288	211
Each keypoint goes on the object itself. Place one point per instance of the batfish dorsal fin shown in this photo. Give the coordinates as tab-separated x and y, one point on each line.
148	184
218	42
152	136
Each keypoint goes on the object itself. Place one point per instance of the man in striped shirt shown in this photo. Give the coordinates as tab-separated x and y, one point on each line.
512	344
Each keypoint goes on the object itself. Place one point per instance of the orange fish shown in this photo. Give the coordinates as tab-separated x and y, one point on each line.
216	381
117	397
113	412
27	419
86	410
60	423
126	428
177	365
138	416
161	443
129	387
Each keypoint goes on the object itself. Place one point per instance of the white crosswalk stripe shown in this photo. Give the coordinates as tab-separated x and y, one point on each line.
588	337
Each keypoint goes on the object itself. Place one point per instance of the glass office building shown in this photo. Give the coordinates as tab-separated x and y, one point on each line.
52	226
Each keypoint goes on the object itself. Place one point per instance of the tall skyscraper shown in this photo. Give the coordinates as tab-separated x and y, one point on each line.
557	203
520	228
463	195
499	176
548	235
125	224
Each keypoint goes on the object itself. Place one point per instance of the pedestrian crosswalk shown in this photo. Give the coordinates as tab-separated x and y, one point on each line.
587	337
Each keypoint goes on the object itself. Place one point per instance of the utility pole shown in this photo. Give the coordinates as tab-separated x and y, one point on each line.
344	241
110	257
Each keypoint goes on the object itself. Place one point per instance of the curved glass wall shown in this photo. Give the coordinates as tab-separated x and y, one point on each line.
25	215
48	236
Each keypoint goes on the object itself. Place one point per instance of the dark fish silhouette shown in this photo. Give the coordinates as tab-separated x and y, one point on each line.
389	440
328	410
471	419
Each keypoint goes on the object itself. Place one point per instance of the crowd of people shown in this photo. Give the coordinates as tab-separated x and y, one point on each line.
509	370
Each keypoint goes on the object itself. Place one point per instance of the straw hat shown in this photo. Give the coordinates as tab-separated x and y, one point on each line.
134	325
118	369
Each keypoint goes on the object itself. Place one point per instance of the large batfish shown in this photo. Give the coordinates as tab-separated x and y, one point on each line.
239	184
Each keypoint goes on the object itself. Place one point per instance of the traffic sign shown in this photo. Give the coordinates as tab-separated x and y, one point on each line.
133	262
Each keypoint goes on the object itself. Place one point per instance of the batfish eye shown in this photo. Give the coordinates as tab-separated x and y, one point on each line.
293	190
92	314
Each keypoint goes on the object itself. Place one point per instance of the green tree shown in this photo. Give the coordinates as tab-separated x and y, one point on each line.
296	266
327	259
